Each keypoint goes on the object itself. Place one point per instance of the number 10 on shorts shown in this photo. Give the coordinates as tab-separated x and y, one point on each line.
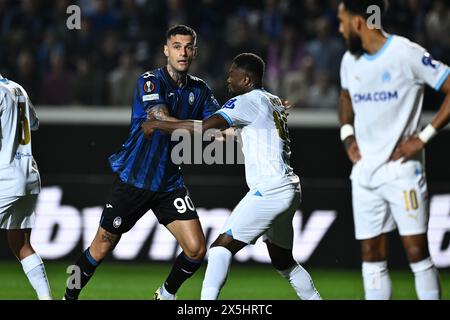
411	202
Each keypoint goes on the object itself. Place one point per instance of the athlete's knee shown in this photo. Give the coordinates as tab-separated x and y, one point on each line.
372	252
416	253
195	250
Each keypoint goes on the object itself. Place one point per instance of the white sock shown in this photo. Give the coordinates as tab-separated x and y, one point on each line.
427	280
377	283
301	281
35	271
219	260
167	295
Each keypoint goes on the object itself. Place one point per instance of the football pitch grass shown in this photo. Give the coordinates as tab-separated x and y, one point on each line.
138	281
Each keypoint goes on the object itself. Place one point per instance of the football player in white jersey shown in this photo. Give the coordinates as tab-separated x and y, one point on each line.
383	78
20	181
274	196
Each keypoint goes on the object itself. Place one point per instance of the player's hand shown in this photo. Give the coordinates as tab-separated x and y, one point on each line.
287	106
148	128
150	114
352	149
406	148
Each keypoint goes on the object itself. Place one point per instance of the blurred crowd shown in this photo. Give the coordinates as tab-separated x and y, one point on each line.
118	40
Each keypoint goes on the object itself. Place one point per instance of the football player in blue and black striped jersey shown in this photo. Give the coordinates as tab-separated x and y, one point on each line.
146	176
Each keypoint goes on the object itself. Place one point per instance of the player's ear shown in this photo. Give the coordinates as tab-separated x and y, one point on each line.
359	23
166	50
195	53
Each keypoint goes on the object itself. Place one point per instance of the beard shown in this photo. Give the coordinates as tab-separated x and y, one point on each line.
354	45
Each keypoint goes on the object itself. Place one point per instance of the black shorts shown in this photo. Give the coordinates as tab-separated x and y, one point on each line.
127	204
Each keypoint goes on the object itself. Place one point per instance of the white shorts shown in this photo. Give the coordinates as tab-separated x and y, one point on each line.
17	212
401	203
270	215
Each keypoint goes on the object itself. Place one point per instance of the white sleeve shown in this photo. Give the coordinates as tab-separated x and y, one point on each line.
343	73
238	111
34	121
424	68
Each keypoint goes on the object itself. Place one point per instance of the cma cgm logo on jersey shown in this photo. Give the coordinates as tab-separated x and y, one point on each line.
378	96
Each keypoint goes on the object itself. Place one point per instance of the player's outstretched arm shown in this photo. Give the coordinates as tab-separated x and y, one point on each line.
193	126
409	146
346	117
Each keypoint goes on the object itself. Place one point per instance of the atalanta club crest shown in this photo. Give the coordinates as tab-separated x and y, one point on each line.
191	98
149	86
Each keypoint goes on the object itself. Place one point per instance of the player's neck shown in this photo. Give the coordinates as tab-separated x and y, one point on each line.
373	41
178	77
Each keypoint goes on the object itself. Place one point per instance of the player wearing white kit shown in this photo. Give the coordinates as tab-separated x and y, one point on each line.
382	79
269	206
20	181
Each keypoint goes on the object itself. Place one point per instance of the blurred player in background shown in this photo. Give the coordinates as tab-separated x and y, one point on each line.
274	196
382	79
146	176
20	181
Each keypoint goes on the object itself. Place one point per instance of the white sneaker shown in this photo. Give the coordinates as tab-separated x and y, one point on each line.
158	296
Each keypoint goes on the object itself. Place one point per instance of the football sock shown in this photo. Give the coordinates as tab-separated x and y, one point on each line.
87	265
426	279
377	283
35	271
219	260
183	268
301	281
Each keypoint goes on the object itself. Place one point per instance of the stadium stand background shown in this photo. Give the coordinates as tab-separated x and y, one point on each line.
118	40
81	82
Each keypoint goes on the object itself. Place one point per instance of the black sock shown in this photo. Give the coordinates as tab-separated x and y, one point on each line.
183	268
87	266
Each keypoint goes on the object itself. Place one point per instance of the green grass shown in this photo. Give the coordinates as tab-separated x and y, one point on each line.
115	280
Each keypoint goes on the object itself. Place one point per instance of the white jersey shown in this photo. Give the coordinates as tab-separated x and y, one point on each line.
19	175
265	138
386	90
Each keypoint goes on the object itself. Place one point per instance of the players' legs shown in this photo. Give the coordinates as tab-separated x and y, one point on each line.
19	242
425	273
288	268
219	260
373	220
376	280
17	217
279	240
84	268
189	235
408	198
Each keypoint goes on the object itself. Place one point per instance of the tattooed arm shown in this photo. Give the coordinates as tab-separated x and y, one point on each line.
160	112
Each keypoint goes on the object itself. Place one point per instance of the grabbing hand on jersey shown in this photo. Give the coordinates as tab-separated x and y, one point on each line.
352	149
407	147
148	127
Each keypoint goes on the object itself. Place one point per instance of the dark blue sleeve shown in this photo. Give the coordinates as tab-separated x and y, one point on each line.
210	106
149	92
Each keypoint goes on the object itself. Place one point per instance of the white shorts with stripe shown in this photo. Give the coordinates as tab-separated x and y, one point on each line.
267	213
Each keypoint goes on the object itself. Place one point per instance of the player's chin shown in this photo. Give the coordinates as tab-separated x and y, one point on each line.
183	66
